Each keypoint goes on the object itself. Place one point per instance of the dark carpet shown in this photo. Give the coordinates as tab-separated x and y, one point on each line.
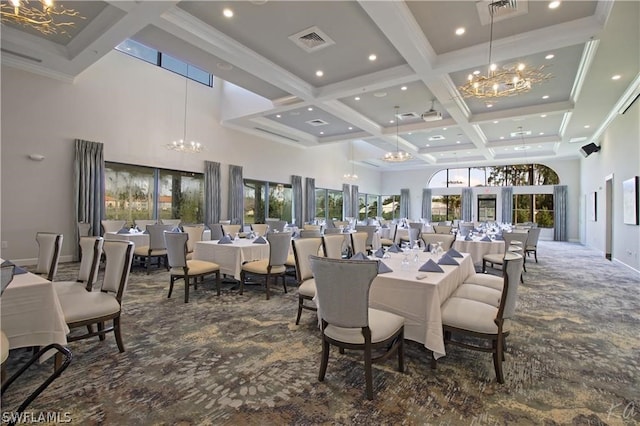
573	358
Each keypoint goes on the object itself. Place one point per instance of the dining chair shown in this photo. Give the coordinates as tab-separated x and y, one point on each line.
173	222
347	321
302	249
465	228
277	225
49	248
328	231
260	228
274	266
370	230
187	269
358	242
531	246
447	240
332	245
84	230
141	224
216	231
112	225
86	309
442	229
310	233
195	233
231	230
513	242
156	248
393	230
482	321
89	266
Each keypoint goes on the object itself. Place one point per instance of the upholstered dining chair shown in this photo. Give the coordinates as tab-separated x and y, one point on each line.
274	266
447	240
328	231
260	228
370	230
358	242
342	288
393	229
483	321
216	231
112	225
84	230
195	233
310	233
49	248
89	265
156	248
513	242
85	309
231	230
141	224
173	222
187	269
302	249
442	229
332	245
531	245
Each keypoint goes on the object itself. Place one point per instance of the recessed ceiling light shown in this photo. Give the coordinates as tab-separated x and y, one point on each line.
554	4
476	72
409	133
444	128
350	128
403	88
372	57
380	94
228	13
501	137
550	56
310	109
319	73
543	115
322	133
457	141
427	145
489	105
460	31
391	121
495	122
545	97
278	116
616	77
357	98
587	126
541	133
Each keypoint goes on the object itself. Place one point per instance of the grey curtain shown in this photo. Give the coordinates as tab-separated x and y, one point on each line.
467	204
346	200
426	204
89	185
404	203
310	199
560	213
507	204
236	195
212	196
355	206
296	187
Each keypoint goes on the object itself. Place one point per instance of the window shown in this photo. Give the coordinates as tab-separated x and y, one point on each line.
367	206
533	208
267	199
136	192
513	175
329	204
445	207
390	207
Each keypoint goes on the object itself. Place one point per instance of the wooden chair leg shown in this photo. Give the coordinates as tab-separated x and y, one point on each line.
497	359
186	289
324	361
116	331
101	336
171	281
368	373
266	284
242	276
300	302
218	282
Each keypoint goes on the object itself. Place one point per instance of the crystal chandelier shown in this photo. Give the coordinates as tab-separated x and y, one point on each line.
397	156
182	145
509	80
42	15
352	175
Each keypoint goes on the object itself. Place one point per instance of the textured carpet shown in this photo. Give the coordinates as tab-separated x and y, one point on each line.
573	358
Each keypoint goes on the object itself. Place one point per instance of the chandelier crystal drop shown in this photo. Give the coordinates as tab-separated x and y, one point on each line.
397	156
43	15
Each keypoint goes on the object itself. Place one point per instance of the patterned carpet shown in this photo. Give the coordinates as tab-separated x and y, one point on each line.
573	358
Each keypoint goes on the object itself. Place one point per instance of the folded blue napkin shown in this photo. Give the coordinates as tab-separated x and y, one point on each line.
379	252
394	248
383	268
176	229
385	226
468	238
427	248
447	260
499	237
258	240
123	231
17	270
486	238
454	253
430	266
225	240
359	256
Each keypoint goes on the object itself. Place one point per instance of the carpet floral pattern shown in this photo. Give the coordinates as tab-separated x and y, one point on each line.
573	358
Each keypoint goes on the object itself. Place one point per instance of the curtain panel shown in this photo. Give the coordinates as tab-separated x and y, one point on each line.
346	201
212	197
426	204
355	206
310	199
89	186
560	213
467	204
296	188
507	204
236	195
404	203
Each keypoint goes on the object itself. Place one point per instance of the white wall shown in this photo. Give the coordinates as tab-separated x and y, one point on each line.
134	108
619	157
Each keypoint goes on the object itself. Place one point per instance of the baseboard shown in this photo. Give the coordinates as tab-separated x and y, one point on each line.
34	261
619	262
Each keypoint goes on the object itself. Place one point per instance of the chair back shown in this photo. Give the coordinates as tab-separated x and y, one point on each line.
277	225
84	229
260	228
216	231
49	247
332	245
156	236
142	223
359	242
465	228
112	225
302	249
278	247
91	252
332	231
446	240
533	236
172	222
510	237
195	233
311	227
231	230
339	223
414	235
177	243
442	229
370	230
512	270
310	233
118	255
342	288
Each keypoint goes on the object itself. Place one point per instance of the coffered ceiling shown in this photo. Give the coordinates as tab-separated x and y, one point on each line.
274	49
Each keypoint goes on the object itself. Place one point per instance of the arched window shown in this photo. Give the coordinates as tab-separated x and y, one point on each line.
512	175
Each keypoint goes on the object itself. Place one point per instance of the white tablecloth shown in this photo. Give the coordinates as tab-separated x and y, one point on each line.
31	313
230	257
141	239
418	300
478	248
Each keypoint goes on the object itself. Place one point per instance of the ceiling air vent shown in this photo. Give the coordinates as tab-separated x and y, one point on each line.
520	133
311	39
436	138
275	134
317	122
407	115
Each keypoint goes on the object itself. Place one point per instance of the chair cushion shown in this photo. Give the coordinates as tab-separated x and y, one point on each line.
87	305
471	315
291	260
494	258
487	280
197	267
307	288
386	241
63	287
189	256
383	325
260	267
144	251
479	293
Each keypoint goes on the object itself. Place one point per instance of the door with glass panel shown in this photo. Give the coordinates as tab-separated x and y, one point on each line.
486	208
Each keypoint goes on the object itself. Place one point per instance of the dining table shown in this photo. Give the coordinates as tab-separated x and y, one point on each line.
478	248
141	239
417	296
31	313
230	257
